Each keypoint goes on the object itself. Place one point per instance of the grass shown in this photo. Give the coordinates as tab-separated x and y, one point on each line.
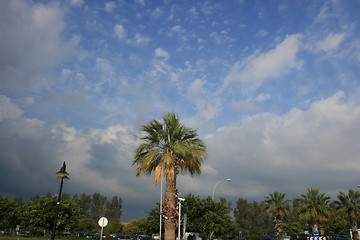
24	237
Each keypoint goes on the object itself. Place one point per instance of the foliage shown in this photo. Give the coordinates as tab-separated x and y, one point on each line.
279	208
314	207
114	227
337	226
349	207
207	216
152	221
136	226
291	228
251	219
86	225
10	212
39	214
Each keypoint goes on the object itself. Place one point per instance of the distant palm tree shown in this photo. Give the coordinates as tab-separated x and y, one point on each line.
314	207
169	147
277	205
349	206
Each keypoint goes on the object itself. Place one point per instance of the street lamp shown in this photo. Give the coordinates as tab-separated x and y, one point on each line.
228	179
180	200
63	175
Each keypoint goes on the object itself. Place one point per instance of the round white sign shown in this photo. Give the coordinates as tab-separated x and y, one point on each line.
103	222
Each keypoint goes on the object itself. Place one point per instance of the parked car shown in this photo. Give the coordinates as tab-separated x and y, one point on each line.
155	236
301	236
145	238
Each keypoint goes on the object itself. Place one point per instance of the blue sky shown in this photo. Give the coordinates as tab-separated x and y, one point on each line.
271	86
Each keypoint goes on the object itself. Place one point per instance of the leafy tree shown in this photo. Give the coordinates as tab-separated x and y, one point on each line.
314	208
136	226
10	212
337	225
169	147
114	227
292	227
280	208
86	225
97	206
152	221
85	203
39	214
349	206
113	209
207	216
251	219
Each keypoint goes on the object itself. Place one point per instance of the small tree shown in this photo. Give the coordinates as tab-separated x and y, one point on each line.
280	208
349	207
314	208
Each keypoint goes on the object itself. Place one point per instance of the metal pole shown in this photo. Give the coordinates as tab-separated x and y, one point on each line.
213	193
179	220
184	225
161	201
57	209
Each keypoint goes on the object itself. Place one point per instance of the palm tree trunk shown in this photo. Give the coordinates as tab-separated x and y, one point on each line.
315	227
170	207
278	227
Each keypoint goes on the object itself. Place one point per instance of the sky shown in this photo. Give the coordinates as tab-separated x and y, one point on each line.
272	88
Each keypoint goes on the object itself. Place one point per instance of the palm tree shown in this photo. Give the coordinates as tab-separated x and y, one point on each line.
169	147
314	207
277	205
349	205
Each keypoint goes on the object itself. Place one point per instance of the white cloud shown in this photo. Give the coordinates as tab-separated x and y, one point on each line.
178	29
110	6
262	97
77	3
196	88
140	2
120	31
142	40
8	110
262	33
259	67
244	106
331	42
277	151
161	53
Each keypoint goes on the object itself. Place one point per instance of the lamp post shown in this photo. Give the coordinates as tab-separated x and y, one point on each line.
180	200
161	201
228	179
63	175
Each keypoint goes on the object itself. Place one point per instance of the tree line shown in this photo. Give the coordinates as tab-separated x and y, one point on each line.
312	211
78	213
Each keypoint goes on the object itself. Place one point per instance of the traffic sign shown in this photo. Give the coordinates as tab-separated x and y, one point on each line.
103	222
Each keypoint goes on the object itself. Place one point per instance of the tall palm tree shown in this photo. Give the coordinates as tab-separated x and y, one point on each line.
277	205
314	207
349	205
169	147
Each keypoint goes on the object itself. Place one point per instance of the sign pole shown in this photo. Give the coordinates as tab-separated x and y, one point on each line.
102	223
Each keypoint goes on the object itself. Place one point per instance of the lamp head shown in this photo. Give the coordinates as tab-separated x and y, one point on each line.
181	199
62	173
